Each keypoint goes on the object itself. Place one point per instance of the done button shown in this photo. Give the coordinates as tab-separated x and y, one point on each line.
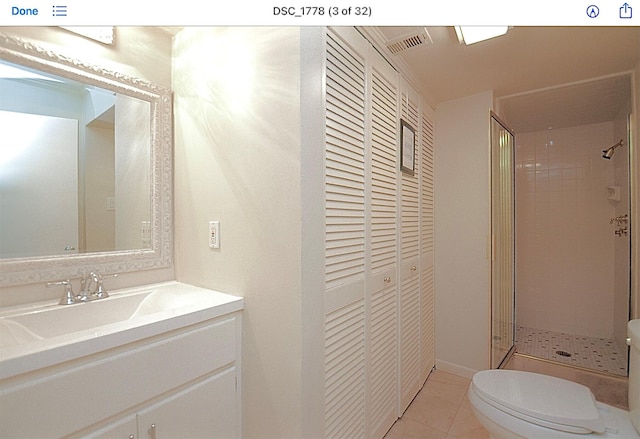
15	10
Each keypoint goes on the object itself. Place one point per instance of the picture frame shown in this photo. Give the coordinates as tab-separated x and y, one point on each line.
407	148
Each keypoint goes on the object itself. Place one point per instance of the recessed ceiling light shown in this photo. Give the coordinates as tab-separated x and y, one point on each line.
474	34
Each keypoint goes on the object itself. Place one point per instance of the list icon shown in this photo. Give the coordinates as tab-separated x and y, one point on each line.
59	11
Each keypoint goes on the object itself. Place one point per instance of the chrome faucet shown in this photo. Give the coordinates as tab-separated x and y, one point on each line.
85	294
85	287
68	298
620	219
100	292
621	231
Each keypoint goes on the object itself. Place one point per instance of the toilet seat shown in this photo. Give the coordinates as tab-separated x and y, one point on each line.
540	399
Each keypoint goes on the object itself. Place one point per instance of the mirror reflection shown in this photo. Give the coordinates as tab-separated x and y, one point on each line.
75	167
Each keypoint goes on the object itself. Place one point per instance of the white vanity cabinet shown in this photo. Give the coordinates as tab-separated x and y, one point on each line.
172	377
205	410
123	428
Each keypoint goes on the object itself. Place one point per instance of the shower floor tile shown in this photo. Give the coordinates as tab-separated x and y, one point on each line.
593	353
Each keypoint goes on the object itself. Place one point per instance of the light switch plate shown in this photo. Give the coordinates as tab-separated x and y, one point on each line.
214	234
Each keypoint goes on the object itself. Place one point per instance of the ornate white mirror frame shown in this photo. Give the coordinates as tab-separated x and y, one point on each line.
41	269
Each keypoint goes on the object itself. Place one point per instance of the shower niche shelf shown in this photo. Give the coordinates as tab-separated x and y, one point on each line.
613	193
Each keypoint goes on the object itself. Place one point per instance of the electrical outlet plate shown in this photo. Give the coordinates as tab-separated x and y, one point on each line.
214	234
146	234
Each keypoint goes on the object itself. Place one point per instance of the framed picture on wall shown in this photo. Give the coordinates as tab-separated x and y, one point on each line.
407	148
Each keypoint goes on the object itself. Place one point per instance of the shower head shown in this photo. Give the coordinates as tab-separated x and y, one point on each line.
608	153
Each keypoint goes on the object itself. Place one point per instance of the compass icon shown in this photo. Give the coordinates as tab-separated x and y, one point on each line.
593	11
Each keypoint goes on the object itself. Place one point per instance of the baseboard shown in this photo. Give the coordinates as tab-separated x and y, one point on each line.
455	369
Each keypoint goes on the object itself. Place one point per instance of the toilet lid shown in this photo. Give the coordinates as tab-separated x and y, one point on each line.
556	403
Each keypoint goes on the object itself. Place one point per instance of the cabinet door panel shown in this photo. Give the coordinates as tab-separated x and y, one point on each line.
125	428
201	411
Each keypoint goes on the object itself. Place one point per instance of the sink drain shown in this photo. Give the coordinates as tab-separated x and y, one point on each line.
563	353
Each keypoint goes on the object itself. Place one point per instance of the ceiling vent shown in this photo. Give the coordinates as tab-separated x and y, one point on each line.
409	41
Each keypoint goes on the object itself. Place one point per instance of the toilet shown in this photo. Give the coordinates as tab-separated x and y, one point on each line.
513	404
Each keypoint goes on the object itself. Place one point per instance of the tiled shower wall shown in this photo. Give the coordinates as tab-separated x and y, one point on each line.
565	244
622	247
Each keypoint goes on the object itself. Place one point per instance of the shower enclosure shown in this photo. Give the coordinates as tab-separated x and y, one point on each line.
502	242
572	223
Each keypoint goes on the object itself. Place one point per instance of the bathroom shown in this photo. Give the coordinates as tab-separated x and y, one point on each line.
236	148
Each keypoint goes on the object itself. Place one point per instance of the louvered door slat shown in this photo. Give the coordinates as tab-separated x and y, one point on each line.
410	233
383	307
410	336
344	372
383	173
427	246
427	338
383	361
344	185
344	240
410	311
427	185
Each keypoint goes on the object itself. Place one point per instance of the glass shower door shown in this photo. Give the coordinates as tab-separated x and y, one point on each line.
502	242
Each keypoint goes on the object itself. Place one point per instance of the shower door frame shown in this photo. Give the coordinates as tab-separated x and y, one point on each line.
502	241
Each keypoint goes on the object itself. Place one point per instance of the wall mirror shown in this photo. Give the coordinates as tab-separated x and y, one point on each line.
85	168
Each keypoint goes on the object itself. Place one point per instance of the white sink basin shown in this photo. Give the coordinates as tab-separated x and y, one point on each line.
136	312
53	321
58	320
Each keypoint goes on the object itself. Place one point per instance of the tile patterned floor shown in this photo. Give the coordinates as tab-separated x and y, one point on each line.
597	354
441	410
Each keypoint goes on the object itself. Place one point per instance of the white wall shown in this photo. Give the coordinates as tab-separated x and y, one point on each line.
462	225
237	160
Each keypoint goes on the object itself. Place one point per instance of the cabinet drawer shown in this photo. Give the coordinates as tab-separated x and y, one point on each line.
88	391
206	410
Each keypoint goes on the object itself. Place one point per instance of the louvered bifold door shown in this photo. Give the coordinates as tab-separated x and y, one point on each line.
427	292
344	241
409	318
382	376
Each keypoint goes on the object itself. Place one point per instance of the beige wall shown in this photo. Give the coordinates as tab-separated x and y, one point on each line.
237	160
462	226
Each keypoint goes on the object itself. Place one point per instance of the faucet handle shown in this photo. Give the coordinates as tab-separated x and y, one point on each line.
85	285
68	298
100	292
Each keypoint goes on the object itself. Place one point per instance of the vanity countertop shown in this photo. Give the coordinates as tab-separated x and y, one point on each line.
44	334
